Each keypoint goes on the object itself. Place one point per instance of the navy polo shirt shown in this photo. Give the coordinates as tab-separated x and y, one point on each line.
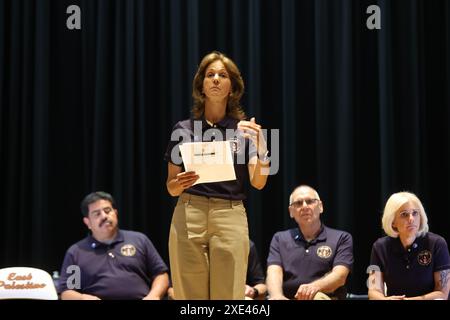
410	271
304	262
255	273
124	269
242	152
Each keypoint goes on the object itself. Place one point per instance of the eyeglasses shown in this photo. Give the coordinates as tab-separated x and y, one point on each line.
299	203
407	213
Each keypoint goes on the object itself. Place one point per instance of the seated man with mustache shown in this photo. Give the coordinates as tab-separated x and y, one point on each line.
311	261
111	263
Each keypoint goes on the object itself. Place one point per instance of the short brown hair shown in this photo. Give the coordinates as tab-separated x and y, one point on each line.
234	109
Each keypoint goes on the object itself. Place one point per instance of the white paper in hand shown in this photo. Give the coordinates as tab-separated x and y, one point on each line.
211	161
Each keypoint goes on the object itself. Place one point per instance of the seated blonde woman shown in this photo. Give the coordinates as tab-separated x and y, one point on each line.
410	263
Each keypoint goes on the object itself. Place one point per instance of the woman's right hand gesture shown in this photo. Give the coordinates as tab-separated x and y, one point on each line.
186	179
178	181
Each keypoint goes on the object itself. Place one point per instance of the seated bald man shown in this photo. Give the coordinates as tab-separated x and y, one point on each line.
311	261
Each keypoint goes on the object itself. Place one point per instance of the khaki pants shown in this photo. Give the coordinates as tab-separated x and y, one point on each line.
321	296
208	248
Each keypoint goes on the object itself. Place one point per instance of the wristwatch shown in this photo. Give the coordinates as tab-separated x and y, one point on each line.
255	293
265	157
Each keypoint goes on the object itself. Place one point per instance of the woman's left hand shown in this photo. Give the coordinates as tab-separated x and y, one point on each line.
253	131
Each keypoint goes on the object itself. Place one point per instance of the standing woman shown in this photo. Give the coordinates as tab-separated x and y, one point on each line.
413	262
208	242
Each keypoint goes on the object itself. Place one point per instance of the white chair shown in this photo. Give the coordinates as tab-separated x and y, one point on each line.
26	283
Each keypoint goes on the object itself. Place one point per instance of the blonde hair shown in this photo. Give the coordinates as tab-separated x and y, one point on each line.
234	108
394	203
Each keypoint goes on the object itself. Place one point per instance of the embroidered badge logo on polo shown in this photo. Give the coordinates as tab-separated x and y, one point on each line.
128	250
424	257
324	252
